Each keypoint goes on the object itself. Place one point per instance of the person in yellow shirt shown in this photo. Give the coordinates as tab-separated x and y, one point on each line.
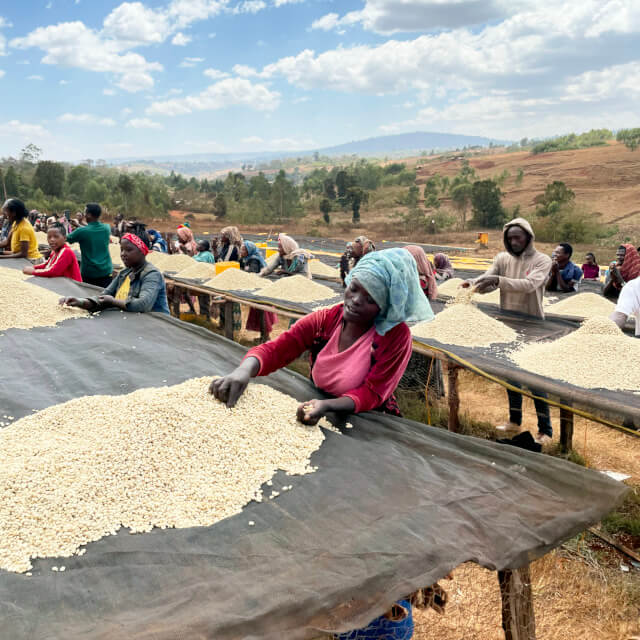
21	241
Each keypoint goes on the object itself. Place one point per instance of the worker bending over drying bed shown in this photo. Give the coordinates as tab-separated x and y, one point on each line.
139	287
520	273
359	349
289	260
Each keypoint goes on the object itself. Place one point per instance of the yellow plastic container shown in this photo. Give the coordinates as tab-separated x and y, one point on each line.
223	266
271	252
261	245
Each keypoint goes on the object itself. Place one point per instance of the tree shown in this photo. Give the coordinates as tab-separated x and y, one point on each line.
49	177
31	154
486	201
329	189
219	206
356	197
95	191
630	138
12	183
342	183
524	142
127	186
325	208
412	196
519	176
461	199
77	180
555	196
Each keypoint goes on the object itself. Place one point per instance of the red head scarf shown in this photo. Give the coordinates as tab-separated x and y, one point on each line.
630	268
137	242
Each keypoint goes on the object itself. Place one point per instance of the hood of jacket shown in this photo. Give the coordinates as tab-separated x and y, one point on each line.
524	224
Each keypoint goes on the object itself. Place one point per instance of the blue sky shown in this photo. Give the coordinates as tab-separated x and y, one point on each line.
100	78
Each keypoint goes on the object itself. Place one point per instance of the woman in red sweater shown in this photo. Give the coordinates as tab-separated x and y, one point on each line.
62	262
359	349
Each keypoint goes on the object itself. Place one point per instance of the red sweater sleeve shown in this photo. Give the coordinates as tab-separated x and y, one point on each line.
391	359
56	266
291	344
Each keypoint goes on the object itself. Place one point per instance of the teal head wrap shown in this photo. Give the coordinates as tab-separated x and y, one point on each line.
391	279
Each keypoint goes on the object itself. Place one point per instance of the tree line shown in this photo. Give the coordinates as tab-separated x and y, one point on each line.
55	186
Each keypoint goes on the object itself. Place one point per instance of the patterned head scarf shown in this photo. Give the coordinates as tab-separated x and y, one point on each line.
425	270
630	268
391	279
367	245
253	253
137	242
232	235
291	248
443	264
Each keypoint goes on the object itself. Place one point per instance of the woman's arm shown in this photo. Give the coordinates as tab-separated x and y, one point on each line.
23	253
272	265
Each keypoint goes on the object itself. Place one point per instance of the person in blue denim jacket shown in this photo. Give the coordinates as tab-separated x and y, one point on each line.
139	287
564	276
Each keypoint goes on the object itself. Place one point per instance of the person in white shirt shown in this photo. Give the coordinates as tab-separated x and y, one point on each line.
628	305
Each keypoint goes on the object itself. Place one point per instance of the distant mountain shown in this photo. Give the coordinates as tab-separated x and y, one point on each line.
417	141
393	145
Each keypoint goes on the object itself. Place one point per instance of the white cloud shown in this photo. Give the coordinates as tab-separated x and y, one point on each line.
280	3
63	82
290	144
86	118
143	123
109	92
119	146
133	24
226	93
212	146
72	44
215	74
212	35
35	77
190	62
244	71
126	111
250	6
301	99
17	129
2	73
23	62
180	40
48	5
328	22
252	140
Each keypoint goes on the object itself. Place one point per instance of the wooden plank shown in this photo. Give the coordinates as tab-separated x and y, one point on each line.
566	430
228	320
518	620
614	543
454	397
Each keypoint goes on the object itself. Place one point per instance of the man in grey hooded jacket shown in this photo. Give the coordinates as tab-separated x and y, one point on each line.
520	273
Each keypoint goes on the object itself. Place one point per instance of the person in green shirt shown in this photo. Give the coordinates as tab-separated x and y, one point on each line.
93	238
204	252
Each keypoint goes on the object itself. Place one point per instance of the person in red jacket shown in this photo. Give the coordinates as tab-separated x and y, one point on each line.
359	349
62	262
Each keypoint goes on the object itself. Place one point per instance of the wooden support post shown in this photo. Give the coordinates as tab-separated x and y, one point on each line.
204	305
454	398
264	334
566	430
228	320
518	620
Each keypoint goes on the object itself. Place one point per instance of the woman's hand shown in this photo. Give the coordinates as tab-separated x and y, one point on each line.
72	302
229	388
311	411
29	271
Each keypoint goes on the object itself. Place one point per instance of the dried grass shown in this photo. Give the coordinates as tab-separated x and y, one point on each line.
297	289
